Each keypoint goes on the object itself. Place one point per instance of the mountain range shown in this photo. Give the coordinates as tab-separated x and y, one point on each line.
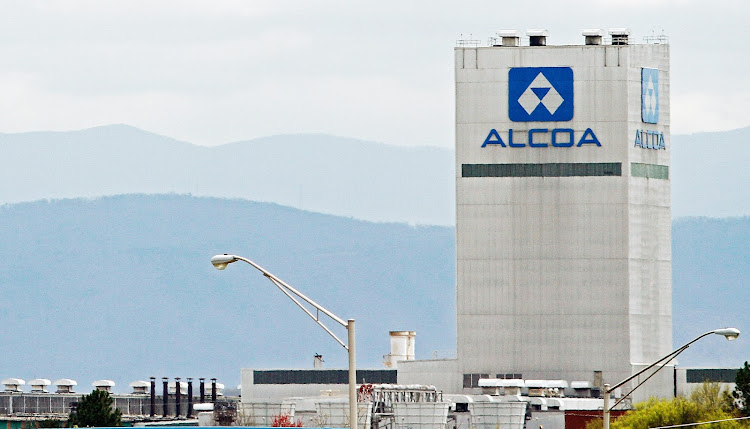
118	284
320	173
122	288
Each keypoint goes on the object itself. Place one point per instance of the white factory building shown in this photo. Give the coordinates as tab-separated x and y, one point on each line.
562	213
563	242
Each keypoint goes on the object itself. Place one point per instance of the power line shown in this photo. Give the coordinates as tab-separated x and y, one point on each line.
699	423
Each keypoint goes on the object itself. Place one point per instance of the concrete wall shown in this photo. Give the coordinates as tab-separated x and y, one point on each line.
441	373
660	385
547	420
558	277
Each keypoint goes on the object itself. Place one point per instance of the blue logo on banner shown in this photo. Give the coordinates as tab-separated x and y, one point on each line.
542	94
650	95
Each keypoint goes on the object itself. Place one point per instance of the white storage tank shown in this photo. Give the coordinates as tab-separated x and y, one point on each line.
402	347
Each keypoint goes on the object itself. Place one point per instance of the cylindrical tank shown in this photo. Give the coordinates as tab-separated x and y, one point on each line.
402	346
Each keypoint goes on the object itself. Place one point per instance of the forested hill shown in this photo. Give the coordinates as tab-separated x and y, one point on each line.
123	288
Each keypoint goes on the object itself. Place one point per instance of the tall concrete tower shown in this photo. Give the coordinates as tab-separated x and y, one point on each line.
563	223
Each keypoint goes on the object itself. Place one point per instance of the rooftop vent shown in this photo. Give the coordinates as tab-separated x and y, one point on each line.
593	36
172	386
219	389
619	35
537	37
492	386
13	384
582	389
489	386
39	385
140	387
509	37
546	388
65	385
105	385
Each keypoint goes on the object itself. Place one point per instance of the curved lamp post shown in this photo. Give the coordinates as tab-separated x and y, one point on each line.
729	333
221	262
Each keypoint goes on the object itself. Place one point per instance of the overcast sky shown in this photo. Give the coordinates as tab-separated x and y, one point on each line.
219	71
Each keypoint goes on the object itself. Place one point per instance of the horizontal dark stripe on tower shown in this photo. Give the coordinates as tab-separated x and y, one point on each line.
542	170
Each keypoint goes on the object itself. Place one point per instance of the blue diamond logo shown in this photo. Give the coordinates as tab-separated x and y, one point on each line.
650	95
542	94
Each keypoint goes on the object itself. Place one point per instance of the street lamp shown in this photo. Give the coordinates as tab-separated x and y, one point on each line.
730	334
221	262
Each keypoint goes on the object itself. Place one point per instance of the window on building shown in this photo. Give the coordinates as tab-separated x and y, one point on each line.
711	375
649	171
558	169
472	380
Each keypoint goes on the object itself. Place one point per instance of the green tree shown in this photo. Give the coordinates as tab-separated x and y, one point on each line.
95	410
662	412
49	423
710	396
742	390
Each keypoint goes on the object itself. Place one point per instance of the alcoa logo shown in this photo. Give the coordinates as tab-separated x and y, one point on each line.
650	139
650	95
540	94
